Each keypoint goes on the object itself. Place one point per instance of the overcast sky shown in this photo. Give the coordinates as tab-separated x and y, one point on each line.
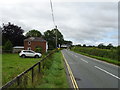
88	23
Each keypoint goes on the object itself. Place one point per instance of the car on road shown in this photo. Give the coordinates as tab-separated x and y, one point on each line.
29	53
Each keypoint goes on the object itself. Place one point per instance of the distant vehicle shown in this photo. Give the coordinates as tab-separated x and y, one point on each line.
29	53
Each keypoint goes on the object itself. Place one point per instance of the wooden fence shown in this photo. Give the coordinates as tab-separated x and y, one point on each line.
39	65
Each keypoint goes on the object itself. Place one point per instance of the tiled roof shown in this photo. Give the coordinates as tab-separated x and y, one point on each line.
35	39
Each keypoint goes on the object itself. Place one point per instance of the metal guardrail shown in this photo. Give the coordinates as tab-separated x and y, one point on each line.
17	79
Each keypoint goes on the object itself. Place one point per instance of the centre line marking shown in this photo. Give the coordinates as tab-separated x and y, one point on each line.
84	60
107	72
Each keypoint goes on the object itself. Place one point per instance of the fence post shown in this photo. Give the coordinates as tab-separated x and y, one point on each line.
32	75
39	67
18	81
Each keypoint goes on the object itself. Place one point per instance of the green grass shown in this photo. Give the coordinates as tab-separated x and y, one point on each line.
12	65
54	77
100	58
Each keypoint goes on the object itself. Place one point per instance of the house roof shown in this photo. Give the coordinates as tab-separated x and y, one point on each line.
35	39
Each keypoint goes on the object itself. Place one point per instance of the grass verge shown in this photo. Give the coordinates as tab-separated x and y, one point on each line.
100	58
54	77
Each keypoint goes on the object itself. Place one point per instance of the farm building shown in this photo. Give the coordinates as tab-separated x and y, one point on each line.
32	42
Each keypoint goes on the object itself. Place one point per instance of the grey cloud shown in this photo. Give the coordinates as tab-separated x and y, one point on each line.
81	22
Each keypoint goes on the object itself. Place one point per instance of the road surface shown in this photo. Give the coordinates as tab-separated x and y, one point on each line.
92	73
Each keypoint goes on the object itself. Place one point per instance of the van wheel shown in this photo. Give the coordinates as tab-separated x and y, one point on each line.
23	56
36	56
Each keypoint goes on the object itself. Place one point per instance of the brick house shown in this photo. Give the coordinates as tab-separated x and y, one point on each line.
32	42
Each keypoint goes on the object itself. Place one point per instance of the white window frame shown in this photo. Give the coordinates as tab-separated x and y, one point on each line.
29	42
29	48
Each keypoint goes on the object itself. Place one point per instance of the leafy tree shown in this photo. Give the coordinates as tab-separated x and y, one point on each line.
68	43
13	33
79	45
84	45
102	46
50	37
33	33
109	46
8	46
60	39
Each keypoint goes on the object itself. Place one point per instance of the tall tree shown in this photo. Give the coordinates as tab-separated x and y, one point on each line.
33	33
13	33
84	45
69	43
109	46
102	46
50	36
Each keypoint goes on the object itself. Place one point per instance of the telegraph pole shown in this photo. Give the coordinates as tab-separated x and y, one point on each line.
54	22
56	35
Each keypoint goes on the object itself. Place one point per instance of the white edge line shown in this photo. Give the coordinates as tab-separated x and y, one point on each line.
99	60
107	72
84	60
76	56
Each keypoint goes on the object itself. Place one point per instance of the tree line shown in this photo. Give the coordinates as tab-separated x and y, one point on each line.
101	46
12	35
105	53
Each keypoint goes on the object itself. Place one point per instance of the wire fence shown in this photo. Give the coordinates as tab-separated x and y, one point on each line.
30	76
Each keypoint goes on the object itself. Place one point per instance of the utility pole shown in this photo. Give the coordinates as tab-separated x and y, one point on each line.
54	21
56	35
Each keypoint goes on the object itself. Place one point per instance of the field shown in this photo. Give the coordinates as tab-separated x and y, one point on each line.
108	55
12	65
52	76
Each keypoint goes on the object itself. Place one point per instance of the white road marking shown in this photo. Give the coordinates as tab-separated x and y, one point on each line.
99	61
107	72
76	56
84	60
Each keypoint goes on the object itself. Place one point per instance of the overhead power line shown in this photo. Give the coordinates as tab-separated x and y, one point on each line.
52	14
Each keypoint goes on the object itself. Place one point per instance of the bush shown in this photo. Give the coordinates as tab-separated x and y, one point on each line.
8	46
38	49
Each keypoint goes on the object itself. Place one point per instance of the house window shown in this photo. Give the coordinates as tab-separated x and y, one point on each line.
29	48
29	42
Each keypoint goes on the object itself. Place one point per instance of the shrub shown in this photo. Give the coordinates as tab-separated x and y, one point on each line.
8	46
38	49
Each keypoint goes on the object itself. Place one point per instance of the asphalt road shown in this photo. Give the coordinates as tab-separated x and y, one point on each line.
92	73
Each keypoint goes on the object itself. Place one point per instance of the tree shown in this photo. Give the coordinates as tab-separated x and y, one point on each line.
102	46
60	39
79	45
33	33
13	33
50	37
109	46
84	45
8	46
69	43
